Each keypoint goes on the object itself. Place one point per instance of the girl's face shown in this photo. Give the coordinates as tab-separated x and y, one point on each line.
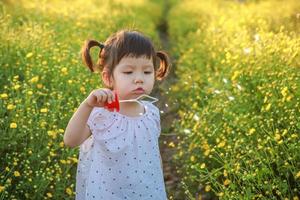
132	73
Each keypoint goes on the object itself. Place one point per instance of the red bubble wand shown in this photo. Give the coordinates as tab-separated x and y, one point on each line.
115	105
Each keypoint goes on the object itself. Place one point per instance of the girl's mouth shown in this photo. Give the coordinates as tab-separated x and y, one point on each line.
139	91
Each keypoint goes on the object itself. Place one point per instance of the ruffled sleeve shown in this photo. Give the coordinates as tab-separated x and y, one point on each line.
99	121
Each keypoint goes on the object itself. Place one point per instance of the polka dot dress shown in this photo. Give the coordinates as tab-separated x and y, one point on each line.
121	159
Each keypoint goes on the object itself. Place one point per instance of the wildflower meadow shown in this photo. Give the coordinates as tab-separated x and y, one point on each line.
234	94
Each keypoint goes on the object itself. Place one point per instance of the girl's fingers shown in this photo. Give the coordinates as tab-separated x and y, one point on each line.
109	95
105	96
98	98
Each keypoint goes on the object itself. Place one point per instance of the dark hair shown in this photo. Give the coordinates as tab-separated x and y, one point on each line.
125	43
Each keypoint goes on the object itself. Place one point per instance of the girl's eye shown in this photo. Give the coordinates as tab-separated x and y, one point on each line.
131	72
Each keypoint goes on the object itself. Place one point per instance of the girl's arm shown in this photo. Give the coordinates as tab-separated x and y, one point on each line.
77	130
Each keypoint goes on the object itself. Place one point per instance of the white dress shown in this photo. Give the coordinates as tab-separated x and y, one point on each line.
121	159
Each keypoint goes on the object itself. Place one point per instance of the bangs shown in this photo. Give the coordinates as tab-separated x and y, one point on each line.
133	44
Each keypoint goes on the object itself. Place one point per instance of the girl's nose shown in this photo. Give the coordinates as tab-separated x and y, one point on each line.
139	79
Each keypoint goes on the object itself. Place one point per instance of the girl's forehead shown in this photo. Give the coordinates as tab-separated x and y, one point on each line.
139	61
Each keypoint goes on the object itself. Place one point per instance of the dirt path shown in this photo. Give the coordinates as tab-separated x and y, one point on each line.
168	115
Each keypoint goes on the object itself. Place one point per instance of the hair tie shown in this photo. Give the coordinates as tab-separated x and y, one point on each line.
101	45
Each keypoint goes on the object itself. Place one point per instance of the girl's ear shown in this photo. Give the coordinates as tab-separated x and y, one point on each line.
107	79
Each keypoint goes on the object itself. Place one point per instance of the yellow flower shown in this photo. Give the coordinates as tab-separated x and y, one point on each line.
206	153
29	55
207	188
277	137
171	144
13	125
221	144
228	55
43	124
61	144
17	86
205	146
220	194
44	110
298	175
34	79
2	188
180	153
289	98
192	158
53	134
52	154
251	131
64	70
17	174
10	107
284	132
75	160
202	166
226	182
4	96
63	161
49	194
225	173
268	107
237	167
69	191
284	91
82	89
29	92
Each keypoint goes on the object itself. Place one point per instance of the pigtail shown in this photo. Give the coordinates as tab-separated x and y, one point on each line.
85	53
164	66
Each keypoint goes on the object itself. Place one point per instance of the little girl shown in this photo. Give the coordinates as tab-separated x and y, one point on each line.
119	154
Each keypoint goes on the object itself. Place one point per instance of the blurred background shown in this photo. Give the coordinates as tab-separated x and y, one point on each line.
229	108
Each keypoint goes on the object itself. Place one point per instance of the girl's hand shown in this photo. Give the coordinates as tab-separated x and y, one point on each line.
98	97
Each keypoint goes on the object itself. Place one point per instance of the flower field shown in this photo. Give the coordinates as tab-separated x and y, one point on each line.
43	81
238	67
237	71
